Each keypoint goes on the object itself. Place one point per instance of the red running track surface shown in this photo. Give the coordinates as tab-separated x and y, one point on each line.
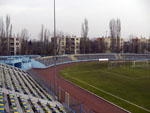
91	101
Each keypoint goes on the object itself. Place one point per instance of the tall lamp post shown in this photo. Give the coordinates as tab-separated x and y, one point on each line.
55	83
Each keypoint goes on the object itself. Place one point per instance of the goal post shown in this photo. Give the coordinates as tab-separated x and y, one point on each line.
140	63
114	64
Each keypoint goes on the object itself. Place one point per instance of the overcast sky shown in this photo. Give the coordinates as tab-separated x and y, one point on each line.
30	14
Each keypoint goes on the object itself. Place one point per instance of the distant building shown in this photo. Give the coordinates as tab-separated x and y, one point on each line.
127	47
121	44
101	44
67	45
105	44
117	44
144	45
12	45
135	45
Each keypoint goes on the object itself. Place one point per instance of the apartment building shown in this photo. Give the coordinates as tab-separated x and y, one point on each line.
101	44
14	45
67	45
135	45
144	45
105	44
117	44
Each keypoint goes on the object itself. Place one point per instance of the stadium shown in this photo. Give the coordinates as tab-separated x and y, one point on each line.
89	83
75	56
86	84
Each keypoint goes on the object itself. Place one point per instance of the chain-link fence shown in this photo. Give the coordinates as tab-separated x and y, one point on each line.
71	104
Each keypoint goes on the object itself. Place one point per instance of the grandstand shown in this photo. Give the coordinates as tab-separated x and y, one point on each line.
49	61
96	56
20	93
136	56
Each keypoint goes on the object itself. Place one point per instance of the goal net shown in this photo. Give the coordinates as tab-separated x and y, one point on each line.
140	63
114	64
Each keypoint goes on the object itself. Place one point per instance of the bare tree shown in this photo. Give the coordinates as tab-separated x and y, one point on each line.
112	34
7	33
7	25
85	29
2	30
84	35
24	43
118	32
42	32
115	33
42	40
2	35
10	32
46	41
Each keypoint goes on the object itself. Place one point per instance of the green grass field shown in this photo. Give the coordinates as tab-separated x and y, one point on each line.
126	87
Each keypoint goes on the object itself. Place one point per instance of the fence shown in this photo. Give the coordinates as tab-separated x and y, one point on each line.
71	104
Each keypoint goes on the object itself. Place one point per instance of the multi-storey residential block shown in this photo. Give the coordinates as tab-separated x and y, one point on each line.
105	44
12	46
67	45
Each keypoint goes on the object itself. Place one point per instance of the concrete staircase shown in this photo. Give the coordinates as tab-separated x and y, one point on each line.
116	55
120	57
73	57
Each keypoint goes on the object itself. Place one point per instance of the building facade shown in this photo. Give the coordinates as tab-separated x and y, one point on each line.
102	45
105	44
67	45
12	46
135	45
144	45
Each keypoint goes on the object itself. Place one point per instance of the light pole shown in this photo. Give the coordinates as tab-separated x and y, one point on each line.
55	84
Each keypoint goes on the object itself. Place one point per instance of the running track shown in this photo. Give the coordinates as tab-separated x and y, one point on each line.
93	102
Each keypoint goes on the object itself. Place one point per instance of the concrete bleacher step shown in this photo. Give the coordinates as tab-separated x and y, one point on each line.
20	78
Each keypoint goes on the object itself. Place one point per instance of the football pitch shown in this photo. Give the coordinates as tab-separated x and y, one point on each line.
125	86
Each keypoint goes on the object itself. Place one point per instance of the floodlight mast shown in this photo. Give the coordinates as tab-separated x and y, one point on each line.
55	84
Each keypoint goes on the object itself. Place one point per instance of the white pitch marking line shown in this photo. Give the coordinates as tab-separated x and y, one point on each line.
110	94
120	75
124	76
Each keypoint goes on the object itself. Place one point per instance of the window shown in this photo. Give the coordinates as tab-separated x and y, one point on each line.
12	53
17	44
12	49
12	44
17	49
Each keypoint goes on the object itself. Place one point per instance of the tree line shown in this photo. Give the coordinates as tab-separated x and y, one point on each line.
44	46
